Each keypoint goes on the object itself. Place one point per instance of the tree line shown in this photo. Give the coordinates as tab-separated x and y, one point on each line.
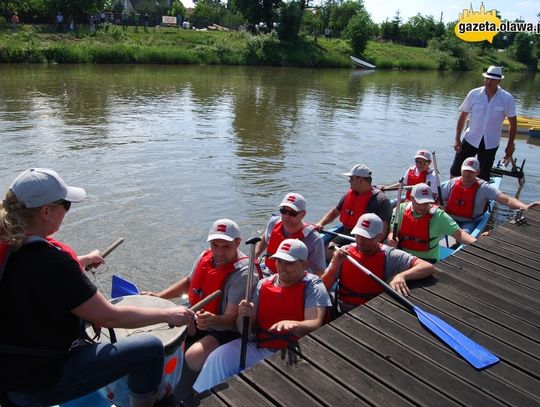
348	20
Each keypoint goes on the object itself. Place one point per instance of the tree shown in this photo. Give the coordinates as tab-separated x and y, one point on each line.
418	30
342	14
312	22
207	12
289	21
359	31
177	9
523	50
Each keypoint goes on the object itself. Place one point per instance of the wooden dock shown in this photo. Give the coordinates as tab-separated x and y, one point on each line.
379	354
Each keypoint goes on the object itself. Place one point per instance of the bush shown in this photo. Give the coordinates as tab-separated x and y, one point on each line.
359	31
289	21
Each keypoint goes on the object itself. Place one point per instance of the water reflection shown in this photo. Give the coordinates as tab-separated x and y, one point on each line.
165	150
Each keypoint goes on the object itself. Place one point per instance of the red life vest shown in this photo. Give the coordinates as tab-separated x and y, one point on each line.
354	206
206	279
278	304
413	179
355	287
5	250
461	200
277	237
414	232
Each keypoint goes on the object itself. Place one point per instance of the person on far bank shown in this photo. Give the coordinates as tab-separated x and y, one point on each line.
486	107
419	172
14	22
290	225
221	267
361	198
421	225
389	264
466	197
44	299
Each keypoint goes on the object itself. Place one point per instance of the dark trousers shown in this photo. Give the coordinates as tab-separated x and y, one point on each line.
486	158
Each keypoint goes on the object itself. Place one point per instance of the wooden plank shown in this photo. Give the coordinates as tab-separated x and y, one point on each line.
380	368
417	365
476	321
275	387
484	269
529	243
508	291
504	262
504	281
235	392
502	370
319	386
206	398
486	310
349	376
389	323
508	305
517	253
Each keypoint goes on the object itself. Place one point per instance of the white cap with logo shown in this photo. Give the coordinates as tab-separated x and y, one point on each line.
359	170
422	193
294	201
225	229
36	187
470	164
291	250
369	225
425	154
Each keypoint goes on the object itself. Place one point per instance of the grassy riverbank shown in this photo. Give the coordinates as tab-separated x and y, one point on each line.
35	44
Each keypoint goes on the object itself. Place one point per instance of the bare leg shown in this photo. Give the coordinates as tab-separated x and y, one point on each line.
199	351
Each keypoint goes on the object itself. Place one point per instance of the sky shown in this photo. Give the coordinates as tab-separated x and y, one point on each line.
380	10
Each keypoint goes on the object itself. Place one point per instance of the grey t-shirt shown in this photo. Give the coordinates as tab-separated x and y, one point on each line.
234	290
313	241
485	193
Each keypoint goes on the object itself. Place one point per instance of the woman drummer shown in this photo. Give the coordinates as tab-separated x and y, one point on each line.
43	298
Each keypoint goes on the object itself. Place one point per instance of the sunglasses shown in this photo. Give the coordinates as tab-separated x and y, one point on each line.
421	162
65	204
284	211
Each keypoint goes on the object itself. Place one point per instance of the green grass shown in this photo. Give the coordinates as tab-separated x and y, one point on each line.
39	44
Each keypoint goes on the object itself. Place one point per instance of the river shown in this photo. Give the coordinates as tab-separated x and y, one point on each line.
163	151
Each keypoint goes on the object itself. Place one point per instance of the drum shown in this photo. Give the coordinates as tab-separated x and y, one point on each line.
172	338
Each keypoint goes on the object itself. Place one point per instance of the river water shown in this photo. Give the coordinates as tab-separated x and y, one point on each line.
163	151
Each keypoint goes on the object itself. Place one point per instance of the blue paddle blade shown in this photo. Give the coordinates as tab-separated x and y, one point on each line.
472	352
121	287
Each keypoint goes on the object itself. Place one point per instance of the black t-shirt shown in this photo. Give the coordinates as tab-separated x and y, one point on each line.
41	285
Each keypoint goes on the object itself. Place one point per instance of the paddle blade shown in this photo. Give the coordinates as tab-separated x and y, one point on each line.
475	354
121	287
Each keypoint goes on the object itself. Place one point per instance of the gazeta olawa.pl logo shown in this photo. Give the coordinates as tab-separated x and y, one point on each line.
482	25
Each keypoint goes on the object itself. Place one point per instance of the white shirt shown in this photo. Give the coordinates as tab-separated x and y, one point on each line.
486	117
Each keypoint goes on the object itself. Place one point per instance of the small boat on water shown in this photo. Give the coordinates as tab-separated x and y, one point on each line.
524	124
358	63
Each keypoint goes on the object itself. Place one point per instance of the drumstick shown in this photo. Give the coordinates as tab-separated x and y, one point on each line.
107	251
205	301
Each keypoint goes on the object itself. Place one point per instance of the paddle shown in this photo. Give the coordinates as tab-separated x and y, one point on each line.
398	204
249	289
121	287
205	301
437	177
346	237
107	251
471	351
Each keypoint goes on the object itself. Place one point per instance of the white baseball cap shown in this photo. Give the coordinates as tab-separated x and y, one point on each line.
294	201
369	225
291	250
359	170
470	164
494	72
426	155
422	193
36	187
225	229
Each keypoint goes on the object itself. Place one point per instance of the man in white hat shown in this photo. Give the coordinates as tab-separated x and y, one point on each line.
285	307
465	197
222	267
420	225
487	107
362	197
389	264
290	225
419	172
